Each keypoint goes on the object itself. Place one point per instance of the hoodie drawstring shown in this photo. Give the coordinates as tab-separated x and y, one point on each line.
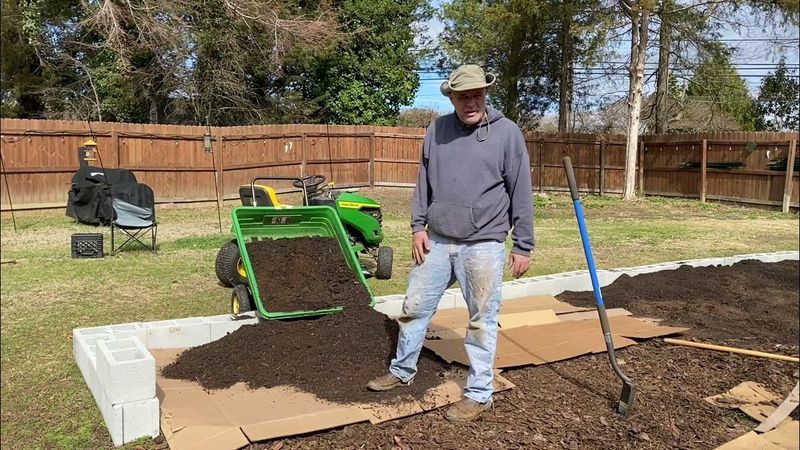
488	124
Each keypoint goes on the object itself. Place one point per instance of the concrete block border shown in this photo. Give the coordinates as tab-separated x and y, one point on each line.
120	371
133	412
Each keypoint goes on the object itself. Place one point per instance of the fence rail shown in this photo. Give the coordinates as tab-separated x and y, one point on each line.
40	156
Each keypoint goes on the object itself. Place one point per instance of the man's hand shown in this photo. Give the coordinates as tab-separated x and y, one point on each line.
420	246
518	264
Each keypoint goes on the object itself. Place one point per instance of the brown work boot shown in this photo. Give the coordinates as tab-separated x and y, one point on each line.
466	410
385	383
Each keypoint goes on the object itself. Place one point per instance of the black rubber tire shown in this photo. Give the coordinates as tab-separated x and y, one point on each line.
385	260
227	265
241	295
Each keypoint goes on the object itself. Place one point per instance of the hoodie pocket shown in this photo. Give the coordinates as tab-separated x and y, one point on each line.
451	220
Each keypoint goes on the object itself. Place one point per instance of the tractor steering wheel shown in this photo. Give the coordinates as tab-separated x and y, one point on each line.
312	182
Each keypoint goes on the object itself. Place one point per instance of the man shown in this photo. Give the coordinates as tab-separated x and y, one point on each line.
474	185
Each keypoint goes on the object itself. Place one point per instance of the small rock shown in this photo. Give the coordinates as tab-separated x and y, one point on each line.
643	436
603	421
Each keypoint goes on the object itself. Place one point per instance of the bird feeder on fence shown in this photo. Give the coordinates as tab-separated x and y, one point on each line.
88	151
207	142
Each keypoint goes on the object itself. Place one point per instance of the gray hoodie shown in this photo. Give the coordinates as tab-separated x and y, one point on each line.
475	182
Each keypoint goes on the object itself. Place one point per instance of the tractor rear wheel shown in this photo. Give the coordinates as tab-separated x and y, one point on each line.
385	259
229	266
241	302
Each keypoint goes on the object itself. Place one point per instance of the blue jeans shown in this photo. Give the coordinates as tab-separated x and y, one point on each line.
478	268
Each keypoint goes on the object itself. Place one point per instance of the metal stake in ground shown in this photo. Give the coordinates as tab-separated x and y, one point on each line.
628	389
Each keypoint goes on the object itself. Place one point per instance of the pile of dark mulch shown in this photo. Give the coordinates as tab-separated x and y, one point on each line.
750	304
303	274
571	405
332	357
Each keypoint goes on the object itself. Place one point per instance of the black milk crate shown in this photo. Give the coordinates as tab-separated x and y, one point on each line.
87	245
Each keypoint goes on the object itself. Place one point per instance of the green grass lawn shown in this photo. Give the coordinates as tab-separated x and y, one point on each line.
46	404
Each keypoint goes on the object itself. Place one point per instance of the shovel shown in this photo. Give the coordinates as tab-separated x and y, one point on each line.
628	389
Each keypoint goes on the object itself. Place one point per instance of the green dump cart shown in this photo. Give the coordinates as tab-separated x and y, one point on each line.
253	223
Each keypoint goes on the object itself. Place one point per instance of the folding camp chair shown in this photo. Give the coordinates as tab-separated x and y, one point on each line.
134	220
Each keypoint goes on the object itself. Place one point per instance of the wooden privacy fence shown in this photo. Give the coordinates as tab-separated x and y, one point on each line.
40	157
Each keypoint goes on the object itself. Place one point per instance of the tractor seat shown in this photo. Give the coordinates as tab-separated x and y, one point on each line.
323	201
265	196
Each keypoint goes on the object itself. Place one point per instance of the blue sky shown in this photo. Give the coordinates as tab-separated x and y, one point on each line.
754	58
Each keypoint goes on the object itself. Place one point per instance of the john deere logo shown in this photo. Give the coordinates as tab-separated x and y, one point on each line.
281	220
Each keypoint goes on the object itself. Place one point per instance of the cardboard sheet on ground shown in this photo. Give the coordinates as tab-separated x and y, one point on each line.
750	397
785	437
193	418
539	330
762	405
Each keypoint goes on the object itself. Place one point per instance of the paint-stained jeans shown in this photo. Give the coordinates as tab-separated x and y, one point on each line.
478	268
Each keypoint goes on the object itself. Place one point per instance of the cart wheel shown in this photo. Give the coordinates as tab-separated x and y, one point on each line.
229	266
385	258
241	302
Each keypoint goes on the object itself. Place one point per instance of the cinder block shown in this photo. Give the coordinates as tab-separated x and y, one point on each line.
112	416
770	258
127	371
578	283
543	285
124	330
140	419
82	339
224	324
448	301
389	298
392	308
607	277
514	289
180	333
85	357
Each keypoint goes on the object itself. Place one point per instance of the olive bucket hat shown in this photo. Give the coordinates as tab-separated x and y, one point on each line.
466	77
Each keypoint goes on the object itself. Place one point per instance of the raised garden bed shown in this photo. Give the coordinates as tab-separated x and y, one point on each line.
570	404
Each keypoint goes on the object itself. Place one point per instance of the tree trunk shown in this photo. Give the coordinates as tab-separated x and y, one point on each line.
566	75
511	100
639	21
662	84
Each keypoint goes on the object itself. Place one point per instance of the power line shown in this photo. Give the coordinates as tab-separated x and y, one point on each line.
775	40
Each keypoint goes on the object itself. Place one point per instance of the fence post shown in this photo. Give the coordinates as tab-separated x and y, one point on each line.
641	166
115	146
372	159
787	188
219	171
602	167
541	165
703	177
303	155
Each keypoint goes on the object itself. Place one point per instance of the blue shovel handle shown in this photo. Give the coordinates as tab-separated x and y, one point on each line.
626	399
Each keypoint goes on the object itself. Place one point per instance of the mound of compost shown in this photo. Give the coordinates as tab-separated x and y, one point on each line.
332	357
302	274
751	304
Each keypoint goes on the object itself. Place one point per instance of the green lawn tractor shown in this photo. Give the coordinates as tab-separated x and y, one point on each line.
360	216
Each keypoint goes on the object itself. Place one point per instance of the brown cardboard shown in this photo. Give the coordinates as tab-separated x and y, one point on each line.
540	344
534	344
749	441
537	303
528	318
193	418
749	397
786	435
585	315
782	412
